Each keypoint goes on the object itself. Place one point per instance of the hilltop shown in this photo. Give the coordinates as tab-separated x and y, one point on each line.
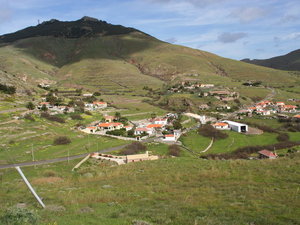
97	55
84	27
290	61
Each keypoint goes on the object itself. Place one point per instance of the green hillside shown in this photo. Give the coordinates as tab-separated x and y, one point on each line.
127	55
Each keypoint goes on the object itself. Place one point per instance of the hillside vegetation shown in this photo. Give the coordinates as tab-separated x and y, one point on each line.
169	191
115	58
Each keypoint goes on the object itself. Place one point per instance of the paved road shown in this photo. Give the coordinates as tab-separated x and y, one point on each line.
62	159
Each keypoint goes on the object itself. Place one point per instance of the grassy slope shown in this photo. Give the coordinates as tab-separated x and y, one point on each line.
18	138
235	140
98	62
169	191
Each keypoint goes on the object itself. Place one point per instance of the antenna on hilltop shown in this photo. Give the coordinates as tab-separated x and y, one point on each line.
38	22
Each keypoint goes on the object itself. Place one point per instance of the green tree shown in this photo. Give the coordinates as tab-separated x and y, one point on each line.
177	125
30	106
44	108
117	115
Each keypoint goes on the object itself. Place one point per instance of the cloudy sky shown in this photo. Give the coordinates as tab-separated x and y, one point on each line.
231	28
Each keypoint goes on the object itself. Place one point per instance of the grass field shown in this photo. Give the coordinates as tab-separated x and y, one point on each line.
21	137
173	191
234	140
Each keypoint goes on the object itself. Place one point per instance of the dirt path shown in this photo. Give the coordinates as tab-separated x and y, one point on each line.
209	146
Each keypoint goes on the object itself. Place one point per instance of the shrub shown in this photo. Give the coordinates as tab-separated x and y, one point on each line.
62	140
19	216
134	148
174	150
177	125
49	173
30	106
97	93
7	89
52	118
88	113
29	117
283	137
76	117
209	131
120	132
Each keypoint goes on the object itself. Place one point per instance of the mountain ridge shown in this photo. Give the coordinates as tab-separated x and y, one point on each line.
118	58
84	27
289	61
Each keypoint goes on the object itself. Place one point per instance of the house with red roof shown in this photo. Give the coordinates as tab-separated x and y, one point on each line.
143	130
162	121
289	108
221	126
266	154
169	137
91	129
110	126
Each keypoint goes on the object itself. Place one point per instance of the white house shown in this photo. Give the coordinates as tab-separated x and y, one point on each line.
110	126
142	130
221	126
129	127
162	121
169	137
235	126
264	112
92	129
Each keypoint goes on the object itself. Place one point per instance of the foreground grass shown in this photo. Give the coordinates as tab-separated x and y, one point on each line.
168	191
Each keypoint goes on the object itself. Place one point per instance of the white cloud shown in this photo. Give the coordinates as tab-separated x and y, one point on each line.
248	14
228	37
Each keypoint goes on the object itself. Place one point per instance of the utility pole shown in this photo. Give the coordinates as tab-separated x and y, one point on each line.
32	153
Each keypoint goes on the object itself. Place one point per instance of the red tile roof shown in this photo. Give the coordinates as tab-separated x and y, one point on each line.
220	124
155	126
169	135
267	153
109	124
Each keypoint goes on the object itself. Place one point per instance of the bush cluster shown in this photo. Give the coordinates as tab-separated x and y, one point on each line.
245	152
19	216
283	137
7	89
76	117
133	148
120	132
52	117
174	150
62	140
29	117
209	131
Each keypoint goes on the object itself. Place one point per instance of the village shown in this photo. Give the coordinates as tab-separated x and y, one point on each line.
165	128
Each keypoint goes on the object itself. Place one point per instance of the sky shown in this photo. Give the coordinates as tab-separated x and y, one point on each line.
234	29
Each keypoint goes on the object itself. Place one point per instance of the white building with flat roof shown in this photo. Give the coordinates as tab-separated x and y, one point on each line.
235	126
